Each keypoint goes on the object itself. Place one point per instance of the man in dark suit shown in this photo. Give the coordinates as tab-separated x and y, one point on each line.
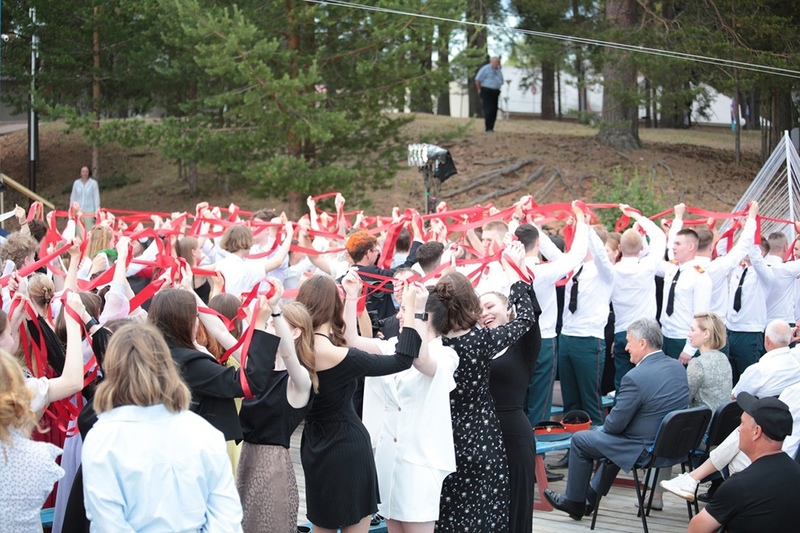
656	386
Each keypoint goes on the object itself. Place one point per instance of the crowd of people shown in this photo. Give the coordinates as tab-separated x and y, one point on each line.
172	356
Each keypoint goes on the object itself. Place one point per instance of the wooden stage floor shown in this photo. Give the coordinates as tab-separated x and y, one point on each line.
617	512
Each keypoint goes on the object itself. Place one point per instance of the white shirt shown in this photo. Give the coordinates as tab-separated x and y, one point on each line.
241	275
776	370
692	296
719	269
545	275
634	294
791	397
752	316
595	283
148	470
87	195
28	471
780	300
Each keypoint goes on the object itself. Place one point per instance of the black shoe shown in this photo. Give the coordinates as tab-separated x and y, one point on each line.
563	463
575	510
707	496
591	497
553	476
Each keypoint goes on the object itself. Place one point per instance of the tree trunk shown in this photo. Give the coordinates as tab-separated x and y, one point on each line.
780	115
477	39
620	126
96	93
421	96
548	90
443	103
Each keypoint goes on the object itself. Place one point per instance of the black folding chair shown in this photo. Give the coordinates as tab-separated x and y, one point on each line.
725	420
679	434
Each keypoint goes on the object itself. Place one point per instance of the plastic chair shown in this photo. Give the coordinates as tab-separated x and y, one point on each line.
679	433
726	419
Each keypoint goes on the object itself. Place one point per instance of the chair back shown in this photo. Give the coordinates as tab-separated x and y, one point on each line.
680	432
726	419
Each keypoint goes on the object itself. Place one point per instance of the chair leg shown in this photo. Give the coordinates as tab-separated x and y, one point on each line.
596	508
640	496
650	482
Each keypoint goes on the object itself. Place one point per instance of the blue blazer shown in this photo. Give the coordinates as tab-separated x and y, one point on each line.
646	395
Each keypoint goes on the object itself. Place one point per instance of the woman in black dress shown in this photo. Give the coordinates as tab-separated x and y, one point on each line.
512	370
341	480
475	498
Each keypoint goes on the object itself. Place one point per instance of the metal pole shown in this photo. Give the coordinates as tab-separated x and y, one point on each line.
32	113
787	145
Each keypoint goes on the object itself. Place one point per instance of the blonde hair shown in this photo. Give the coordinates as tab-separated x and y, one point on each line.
15	399
712	323
631	242
139	370
297	316
100	238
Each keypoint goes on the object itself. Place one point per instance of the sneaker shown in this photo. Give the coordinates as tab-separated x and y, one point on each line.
684	486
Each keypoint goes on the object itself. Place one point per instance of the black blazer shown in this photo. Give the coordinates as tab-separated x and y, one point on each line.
214	386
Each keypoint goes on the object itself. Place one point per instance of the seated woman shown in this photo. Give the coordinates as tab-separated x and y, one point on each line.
144	424
709	374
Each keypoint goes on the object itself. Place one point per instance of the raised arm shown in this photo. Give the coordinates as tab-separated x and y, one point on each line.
298	390
507	334
283	250
352	285
71	379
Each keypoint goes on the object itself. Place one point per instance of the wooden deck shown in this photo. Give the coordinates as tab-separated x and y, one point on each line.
617	512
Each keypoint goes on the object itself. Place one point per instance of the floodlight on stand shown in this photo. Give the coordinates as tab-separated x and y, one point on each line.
436	166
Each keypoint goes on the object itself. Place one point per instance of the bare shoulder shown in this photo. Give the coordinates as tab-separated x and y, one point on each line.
327	354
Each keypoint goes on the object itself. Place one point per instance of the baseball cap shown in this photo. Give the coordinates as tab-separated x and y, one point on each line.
770	413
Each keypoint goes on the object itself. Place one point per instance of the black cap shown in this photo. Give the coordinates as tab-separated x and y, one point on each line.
770	413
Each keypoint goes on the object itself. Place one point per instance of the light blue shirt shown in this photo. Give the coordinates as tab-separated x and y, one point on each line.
147	470
490	78
87	196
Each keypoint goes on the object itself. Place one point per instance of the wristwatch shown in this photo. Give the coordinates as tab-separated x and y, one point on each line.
421	316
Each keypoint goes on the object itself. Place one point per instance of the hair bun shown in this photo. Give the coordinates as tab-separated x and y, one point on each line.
445	290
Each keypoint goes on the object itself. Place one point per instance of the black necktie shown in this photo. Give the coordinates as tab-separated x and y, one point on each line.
573	293
737	298
671	297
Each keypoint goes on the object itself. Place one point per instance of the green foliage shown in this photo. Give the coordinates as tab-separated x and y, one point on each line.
626	187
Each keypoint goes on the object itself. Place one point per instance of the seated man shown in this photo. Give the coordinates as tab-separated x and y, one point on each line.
761	497
654	387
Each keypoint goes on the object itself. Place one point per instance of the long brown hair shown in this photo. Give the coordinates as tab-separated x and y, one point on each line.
297	316
174	313
139	370
91	302
321	297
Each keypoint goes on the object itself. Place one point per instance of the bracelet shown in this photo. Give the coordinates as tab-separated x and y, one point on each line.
91	323
279	313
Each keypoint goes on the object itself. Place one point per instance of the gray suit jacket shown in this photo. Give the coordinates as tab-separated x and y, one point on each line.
646	395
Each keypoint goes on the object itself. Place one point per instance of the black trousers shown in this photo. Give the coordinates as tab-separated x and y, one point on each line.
490	98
